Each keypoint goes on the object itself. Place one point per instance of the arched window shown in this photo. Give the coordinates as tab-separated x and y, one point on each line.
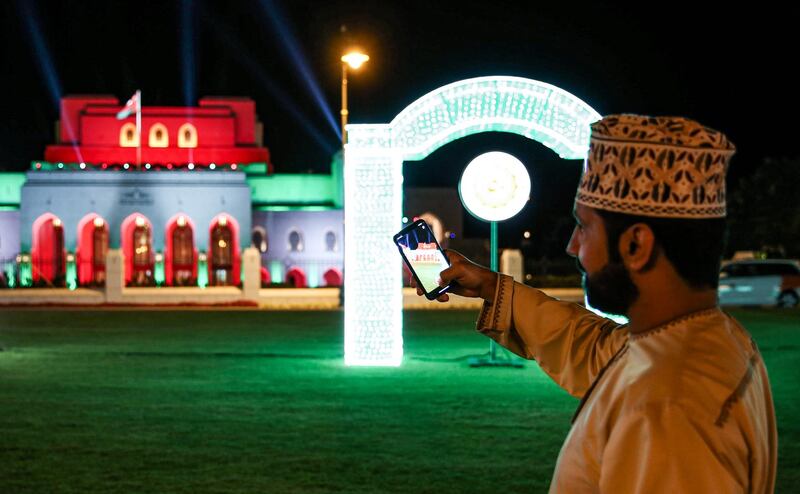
182	256
295	241
141	247
159	138
259	240
128	137
99	250
59	264
49	257
221	255
187	136
330	241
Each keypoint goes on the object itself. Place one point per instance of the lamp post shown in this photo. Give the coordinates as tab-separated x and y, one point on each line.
494	187
355	60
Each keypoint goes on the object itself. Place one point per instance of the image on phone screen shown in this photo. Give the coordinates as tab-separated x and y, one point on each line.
423	255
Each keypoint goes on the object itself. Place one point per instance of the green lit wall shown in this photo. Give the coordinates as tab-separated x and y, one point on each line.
11	189
292	190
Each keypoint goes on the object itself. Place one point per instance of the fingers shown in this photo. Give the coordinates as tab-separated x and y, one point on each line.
446	276
443	298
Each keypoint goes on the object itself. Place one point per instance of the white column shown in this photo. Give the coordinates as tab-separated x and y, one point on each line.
251	260
372	269
512	263
115	275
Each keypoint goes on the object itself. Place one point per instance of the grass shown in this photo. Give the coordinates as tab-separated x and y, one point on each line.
239	401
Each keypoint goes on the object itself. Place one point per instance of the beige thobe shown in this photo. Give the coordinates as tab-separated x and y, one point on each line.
685	407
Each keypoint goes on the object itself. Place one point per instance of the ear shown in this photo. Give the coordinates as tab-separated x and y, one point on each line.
637	247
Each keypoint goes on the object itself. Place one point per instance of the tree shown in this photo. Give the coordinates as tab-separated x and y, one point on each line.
764	210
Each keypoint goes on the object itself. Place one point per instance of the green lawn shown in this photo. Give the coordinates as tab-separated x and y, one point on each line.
239	401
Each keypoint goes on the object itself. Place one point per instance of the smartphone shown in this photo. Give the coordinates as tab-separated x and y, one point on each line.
424	257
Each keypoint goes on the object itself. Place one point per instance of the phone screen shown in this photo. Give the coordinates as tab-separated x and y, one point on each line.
423	255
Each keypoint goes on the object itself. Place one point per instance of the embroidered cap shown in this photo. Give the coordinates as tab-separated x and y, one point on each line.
668	167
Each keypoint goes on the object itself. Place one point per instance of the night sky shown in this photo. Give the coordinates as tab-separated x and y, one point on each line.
728	68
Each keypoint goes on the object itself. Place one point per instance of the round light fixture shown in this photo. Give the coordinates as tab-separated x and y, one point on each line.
495	186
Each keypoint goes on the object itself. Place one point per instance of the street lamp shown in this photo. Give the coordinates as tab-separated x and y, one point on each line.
355	60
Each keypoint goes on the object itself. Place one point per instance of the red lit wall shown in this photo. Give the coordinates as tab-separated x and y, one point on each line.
225	133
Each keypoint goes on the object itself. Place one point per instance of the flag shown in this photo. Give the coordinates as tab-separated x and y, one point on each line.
131	106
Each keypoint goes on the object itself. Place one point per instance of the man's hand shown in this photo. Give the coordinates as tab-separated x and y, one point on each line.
465	278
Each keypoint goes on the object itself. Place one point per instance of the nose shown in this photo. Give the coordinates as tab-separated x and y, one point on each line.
572	245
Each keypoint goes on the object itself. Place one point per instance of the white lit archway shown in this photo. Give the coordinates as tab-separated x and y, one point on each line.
373	177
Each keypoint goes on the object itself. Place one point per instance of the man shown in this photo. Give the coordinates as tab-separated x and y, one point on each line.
678	399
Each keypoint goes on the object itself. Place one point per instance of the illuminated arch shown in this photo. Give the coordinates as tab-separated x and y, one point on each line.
259	239
128	137
331	241
373	174
226	222
294	241
159	136
142	271
187	136
48	253
296	277
332	277
91	250
180	264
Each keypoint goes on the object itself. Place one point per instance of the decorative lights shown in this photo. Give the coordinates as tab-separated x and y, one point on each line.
139	221
373	173
98	222
495	186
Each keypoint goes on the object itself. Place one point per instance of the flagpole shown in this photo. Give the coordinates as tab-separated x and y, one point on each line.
139	129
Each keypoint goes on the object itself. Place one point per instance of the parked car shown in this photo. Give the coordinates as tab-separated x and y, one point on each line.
760	282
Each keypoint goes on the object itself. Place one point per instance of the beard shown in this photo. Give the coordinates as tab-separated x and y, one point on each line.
610	289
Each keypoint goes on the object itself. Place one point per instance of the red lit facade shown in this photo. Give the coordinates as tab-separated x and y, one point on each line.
218	130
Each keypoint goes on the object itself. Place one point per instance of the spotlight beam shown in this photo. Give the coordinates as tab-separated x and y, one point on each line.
30	18
278	94
281	26
188	60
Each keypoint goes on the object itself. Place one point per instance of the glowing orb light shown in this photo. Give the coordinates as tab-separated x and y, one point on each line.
495	186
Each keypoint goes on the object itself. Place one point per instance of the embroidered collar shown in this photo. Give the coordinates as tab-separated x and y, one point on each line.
675	322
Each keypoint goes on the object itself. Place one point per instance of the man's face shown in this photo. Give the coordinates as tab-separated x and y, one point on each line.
607	283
